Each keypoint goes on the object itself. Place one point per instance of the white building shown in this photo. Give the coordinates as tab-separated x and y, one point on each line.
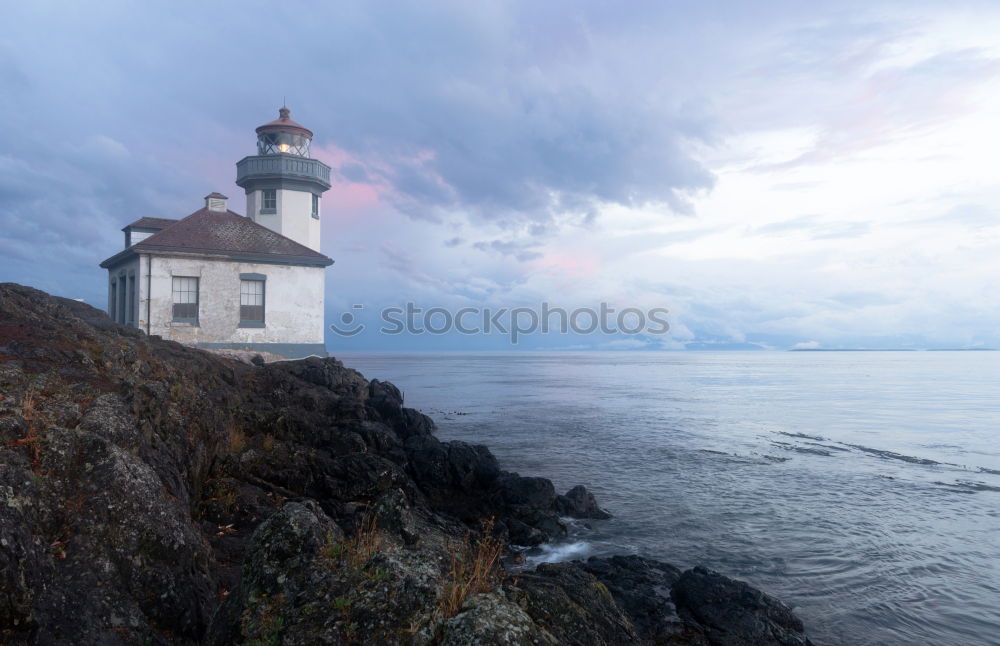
217	279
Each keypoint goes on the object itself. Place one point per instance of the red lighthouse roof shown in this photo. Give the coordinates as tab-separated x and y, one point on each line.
284	123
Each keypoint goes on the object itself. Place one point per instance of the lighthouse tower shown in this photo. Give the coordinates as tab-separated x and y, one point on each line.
284	186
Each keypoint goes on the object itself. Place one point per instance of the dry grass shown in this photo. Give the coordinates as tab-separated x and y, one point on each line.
357	550
28	402
31	416
475	569
237	439
368	540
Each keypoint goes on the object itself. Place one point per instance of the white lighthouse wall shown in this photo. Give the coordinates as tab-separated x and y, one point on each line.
293	218
293	306
253	202
270	220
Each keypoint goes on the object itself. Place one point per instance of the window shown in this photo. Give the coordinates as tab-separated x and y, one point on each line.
269	200
316	206
185	299
251	303
274	143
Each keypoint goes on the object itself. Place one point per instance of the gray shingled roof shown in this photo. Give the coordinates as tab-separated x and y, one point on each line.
228	235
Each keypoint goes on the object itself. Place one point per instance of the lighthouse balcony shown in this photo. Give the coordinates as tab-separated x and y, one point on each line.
267	168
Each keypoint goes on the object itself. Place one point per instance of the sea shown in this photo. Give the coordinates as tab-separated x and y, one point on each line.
860	488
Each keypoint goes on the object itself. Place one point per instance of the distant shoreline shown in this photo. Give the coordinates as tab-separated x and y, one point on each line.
892	350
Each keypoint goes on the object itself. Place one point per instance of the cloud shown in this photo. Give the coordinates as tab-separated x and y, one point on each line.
627	344
513	141
971	216
520	250
888	102
861	298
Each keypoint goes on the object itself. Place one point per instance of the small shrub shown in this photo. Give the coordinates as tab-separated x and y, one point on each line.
260	622
332	550
220	490
58	549
350	628
380	574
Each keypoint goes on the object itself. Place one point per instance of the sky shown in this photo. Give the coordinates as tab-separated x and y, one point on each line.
776	174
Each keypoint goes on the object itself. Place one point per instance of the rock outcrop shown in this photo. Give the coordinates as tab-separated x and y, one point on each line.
152	493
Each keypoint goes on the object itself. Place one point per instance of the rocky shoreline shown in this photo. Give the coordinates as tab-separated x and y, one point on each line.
152	493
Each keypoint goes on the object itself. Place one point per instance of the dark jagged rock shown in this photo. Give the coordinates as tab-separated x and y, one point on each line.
522	534
634	600
492	619
152	493
573	605
450	465
415	423
734	613
642	588
580	503
527	492
387	400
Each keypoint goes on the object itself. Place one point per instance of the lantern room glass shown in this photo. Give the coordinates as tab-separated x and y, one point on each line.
274	143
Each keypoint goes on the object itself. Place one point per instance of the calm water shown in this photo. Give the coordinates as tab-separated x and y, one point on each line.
807	474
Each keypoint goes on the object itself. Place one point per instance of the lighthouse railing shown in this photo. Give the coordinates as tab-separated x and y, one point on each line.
281	166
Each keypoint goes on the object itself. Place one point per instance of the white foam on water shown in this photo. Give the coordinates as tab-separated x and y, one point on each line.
556	553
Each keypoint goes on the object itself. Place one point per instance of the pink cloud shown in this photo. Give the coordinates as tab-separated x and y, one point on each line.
352	196
346	196
565	265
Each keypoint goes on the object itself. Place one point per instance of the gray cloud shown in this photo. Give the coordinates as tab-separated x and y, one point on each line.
520	250
354	173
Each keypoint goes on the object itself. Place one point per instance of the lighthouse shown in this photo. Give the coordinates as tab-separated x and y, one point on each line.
220	280
284	185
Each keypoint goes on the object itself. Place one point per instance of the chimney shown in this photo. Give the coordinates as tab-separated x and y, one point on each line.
216	202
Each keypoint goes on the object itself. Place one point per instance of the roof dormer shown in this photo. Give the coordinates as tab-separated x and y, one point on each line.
216	202
143	228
